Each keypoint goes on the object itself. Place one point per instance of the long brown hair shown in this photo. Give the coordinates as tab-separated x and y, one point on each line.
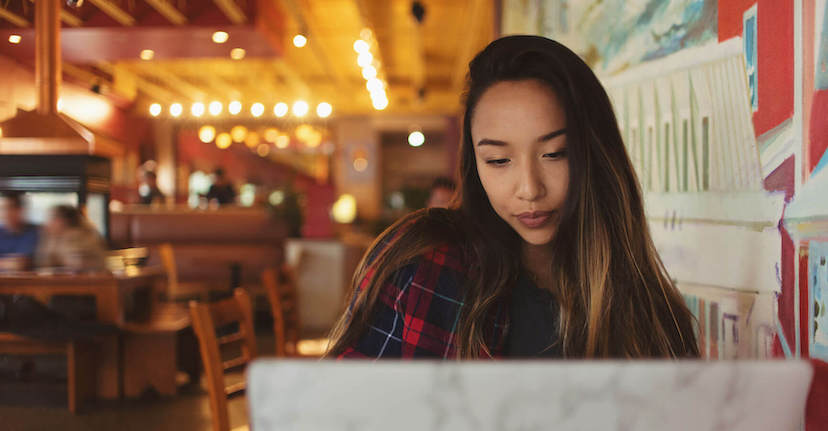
616	298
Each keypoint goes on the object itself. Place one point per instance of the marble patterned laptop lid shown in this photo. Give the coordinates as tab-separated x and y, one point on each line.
289	395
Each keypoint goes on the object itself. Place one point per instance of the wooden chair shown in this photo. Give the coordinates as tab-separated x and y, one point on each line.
176	289
206	319
282	294
80	373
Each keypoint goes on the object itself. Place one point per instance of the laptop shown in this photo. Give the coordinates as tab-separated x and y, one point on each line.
527	395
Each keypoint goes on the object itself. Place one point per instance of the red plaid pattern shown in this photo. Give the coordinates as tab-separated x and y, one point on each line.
420	306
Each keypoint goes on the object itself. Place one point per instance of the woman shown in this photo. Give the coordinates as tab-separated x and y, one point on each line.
547	252
71	242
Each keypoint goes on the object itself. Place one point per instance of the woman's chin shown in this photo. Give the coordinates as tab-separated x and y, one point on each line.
538	237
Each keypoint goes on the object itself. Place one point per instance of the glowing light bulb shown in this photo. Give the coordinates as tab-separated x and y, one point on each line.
234	107
300	108
324	110
365	59
369	72
237	53
197	109
257	109
220	37
176	109
361	46
300	41
238	133
206	134
155	109
215	108
416	138
281	109
223	140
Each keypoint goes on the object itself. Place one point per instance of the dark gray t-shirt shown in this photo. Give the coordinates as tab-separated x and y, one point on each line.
534	319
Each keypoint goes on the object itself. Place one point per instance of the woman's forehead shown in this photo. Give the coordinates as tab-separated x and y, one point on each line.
517	110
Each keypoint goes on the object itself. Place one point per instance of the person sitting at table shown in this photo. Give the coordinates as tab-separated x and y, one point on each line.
71	242
148	191
18	238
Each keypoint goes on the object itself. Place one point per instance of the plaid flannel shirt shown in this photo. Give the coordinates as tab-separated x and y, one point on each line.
420	306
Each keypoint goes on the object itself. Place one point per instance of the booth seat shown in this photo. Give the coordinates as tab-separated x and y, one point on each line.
222	249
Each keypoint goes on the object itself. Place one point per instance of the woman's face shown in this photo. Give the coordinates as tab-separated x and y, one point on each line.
518	133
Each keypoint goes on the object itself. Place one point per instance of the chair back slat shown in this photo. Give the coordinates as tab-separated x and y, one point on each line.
207	319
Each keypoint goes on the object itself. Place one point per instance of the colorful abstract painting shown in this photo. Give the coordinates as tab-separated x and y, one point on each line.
616	34
818	287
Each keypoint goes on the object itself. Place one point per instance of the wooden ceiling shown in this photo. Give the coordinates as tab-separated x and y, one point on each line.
423	64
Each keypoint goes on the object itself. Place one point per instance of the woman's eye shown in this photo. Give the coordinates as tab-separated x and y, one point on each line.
556	155
497	162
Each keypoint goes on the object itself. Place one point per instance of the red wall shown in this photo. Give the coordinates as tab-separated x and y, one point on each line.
775	49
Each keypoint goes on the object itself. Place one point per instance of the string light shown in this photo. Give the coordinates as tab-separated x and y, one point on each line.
223	140
220	37
215	108
234	107
197	109
176	109
300	108
206	134
324	110
281	109
257	109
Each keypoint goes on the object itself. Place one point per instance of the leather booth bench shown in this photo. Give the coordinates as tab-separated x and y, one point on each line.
222	248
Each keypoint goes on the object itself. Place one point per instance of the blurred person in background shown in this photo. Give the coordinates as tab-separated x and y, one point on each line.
148	191
441	193
69	241
222	190
18	238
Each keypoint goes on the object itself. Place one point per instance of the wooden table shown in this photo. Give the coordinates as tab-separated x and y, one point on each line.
115	298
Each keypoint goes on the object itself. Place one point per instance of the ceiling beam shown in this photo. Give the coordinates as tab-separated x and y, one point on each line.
293	80
232	10
310	26
115	12
168	11
14	18
169	80
70	19
155	91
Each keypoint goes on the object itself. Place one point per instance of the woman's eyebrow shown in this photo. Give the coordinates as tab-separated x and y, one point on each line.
544	138
552	135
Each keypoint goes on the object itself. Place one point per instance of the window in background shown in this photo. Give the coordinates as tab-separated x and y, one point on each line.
198	186
247	195
39	203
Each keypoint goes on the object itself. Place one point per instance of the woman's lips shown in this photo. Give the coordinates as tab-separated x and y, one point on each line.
535	219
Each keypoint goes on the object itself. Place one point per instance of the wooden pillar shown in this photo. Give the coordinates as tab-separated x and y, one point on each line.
47	52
